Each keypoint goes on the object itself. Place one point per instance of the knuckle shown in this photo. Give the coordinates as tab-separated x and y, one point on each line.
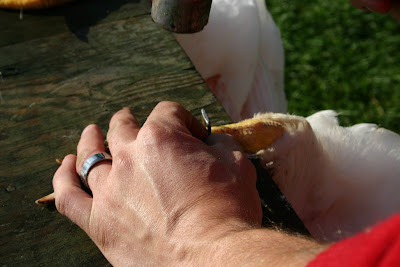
166	104
152	133
170	108
123	121
123	160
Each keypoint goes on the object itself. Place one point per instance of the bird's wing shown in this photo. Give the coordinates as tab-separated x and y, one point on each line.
380	138
366	139
364	164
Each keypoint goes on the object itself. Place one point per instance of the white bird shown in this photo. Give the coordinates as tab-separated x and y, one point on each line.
240	56
339	180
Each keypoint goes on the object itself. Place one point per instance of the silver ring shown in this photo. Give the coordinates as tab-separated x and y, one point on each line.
89	163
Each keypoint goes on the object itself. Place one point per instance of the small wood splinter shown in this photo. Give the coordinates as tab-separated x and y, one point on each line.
50	198
46	200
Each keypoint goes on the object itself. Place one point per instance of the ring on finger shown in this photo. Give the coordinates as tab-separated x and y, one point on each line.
90	163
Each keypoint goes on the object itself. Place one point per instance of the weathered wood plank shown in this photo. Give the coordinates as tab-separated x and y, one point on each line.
56	79
74	17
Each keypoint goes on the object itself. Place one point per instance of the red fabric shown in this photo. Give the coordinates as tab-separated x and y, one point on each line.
379	246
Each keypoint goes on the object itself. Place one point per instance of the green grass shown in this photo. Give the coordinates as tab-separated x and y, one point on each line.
340	58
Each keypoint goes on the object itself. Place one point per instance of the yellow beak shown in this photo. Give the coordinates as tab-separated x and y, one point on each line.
253	134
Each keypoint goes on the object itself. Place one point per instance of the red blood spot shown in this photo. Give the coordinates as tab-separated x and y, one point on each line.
213	81
221	92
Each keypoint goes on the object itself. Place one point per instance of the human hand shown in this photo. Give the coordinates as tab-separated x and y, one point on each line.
167	197
380	6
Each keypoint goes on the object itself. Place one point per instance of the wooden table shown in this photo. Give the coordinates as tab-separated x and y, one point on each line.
62	69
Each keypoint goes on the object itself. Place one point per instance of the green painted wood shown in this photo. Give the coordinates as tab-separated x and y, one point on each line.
62	69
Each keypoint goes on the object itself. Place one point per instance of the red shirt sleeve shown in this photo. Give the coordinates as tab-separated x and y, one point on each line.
379	246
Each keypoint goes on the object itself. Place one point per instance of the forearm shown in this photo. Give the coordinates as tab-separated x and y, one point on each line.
262	247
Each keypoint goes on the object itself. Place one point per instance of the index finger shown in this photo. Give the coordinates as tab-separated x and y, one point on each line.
177	117
123	129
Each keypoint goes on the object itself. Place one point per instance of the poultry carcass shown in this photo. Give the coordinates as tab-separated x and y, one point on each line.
339	180
240	56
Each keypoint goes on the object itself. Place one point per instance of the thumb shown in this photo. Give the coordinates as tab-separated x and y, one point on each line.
71	200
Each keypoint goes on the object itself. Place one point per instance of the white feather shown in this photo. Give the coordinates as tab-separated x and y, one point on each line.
339	180
240	56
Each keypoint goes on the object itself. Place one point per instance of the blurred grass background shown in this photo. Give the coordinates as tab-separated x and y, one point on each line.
340	58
